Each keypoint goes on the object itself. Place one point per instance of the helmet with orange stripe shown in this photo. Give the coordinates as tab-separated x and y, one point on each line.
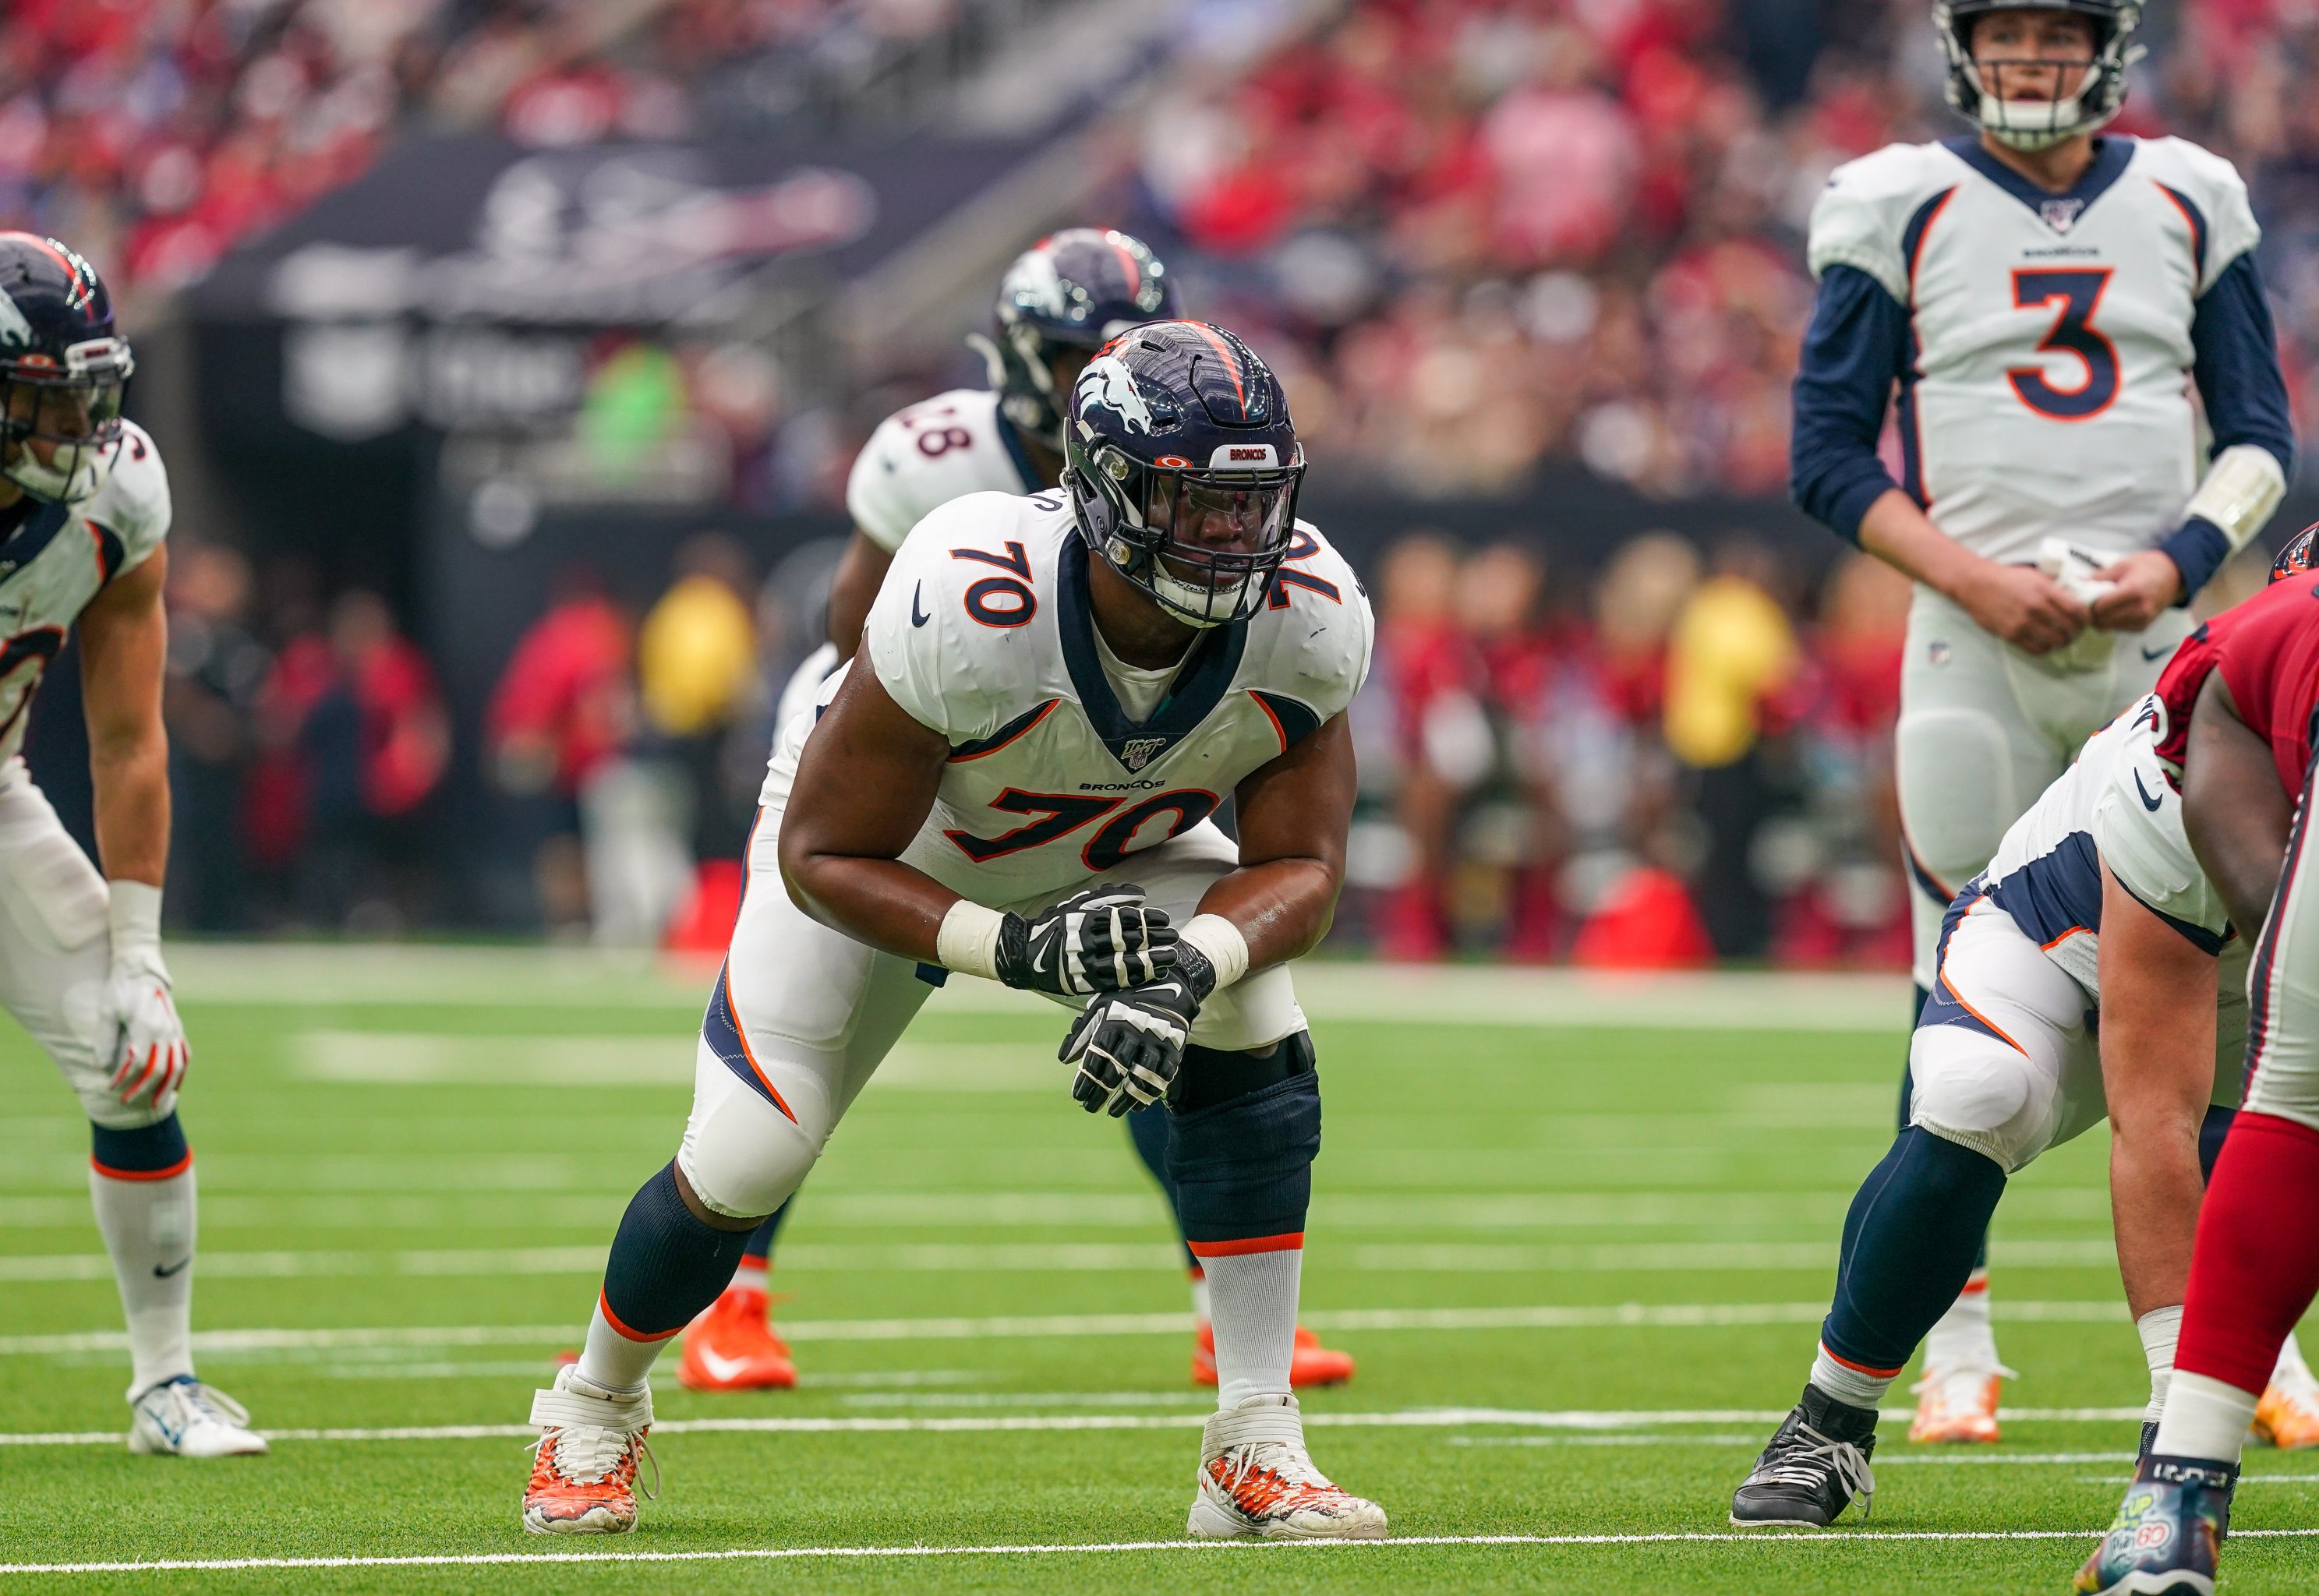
1064	299
63	372
1183	468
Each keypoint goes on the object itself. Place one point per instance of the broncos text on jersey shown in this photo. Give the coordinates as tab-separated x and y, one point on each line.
2046	392
54	558
926	455
984	632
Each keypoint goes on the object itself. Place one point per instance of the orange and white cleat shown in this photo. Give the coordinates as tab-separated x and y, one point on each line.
1958	1405
2287	1416
583	1472
1258	1482
733	1348
1312	1364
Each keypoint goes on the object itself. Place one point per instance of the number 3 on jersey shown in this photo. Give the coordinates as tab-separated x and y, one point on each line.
2079	293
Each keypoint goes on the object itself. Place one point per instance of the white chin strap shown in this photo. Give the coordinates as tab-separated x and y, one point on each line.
1199	606
90	469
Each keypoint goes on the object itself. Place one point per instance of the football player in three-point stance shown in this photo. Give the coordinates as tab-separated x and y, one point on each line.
1014	779
2042	298
84	509
1060	301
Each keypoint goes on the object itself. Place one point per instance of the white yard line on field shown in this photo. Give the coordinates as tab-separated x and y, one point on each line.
1580	1418
1613	1315
783	1554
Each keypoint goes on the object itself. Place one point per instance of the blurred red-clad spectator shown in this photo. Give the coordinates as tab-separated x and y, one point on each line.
1441	738
565	701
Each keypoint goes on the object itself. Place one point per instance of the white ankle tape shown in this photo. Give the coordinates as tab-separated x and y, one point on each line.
551	1409
1273	1420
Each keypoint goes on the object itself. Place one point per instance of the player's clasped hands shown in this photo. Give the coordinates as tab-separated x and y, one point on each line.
1102	940
1129	1045
2024	607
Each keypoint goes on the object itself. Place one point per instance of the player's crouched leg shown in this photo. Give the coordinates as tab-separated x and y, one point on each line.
1244	1129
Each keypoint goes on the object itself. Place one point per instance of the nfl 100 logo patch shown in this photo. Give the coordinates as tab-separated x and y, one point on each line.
1138	751
2060	215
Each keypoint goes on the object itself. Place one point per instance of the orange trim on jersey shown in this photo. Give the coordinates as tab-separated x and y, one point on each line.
2198	233
604	1305
741	1031
171	1173
1958	998
1232	368
2066	936
1860	1368
1024	730
1273	716
1293	1241
1917	253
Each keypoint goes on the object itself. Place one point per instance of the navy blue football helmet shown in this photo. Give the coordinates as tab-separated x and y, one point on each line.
63	372
2075	108
1072	291
1183	468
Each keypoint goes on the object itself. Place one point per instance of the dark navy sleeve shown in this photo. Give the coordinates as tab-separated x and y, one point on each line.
2235	364
1856	344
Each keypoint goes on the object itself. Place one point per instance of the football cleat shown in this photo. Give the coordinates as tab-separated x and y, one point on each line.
1815	1467
1258	1482
1311	1365
2168	1536
2287	1416
183	1418
733	1348
583	1472
1958	1404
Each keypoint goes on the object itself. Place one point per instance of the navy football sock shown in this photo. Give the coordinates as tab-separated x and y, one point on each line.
761	1240
666	1265
2210	1132
1909	1242
1147	1128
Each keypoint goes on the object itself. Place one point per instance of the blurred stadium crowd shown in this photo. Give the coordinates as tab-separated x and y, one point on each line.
1476	237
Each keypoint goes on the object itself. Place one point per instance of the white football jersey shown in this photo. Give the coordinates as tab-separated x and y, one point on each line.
984	632
56	557
2113	806
926	455
2050	391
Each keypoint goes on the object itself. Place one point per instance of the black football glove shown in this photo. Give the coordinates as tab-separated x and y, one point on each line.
1097	940
1129	1045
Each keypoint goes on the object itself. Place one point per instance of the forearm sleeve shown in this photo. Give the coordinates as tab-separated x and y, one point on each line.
2236	368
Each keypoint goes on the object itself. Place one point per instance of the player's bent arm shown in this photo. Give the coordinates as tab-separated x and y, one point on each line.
2015	603
854	587
2157	994
2233	809
1293	814
865	783
125	640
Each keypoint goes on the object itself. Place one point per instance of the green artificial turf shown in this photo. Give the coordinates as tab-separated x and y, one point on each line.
446	1174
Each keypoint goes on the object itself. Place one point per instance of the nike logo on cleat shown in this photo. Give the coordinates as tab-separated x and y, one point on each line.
178	1267
2148	802
918	617
723	1367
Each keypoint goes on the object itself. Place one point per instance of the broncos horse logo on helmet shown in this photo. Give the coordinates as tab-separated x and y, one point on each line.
1183	468
1069	294
2039	125
63	372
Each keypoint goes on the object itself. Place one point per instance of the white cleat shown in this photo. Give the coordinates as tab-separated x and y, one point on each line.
183	1418
583	1473
1258	1482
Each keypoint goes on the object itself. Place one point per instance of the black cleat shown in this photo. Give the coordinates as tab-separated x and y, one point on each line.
1815	1467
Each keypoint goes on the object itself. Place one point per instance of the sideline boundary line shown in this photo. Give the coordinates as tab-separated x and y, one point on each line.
779	1554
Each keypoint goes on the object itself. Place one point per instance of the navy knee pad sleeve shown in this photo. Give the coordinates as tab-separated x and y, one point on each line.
1911	1239
149	1152
667	1264
1243	1168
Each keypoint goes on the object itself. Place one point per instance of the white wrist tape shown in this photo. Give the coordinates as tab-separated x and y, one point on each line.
1222	944
967	942
2241	489
133	910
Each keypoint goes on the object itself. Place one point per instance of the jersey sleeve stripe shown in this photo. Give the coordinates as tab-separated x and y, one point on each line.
1021	726
2209	942
2197	219
109	551
1912	237
1290	719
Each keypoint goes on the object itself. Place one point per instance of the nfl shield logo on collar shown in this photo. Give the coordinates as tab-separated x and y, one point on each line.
1138	751
2060	215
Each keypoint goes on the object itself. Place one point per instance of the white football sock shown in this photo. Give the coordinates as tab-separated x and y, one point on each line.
613	1361
1963	1339
1253	1297
2290	1369
2158	1328
2205	1419
752	1274
1853	1387
149	1230
1200	1309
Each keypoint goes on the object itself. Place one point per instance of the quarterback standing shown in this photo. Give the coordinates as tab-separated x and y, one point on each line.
84	509
2044	299
1014	779
1061	299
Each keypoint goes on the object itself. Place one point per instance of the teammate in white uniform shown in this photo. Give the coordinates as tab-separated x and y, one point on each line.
1059	691
84	510
2043	300
1061	299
